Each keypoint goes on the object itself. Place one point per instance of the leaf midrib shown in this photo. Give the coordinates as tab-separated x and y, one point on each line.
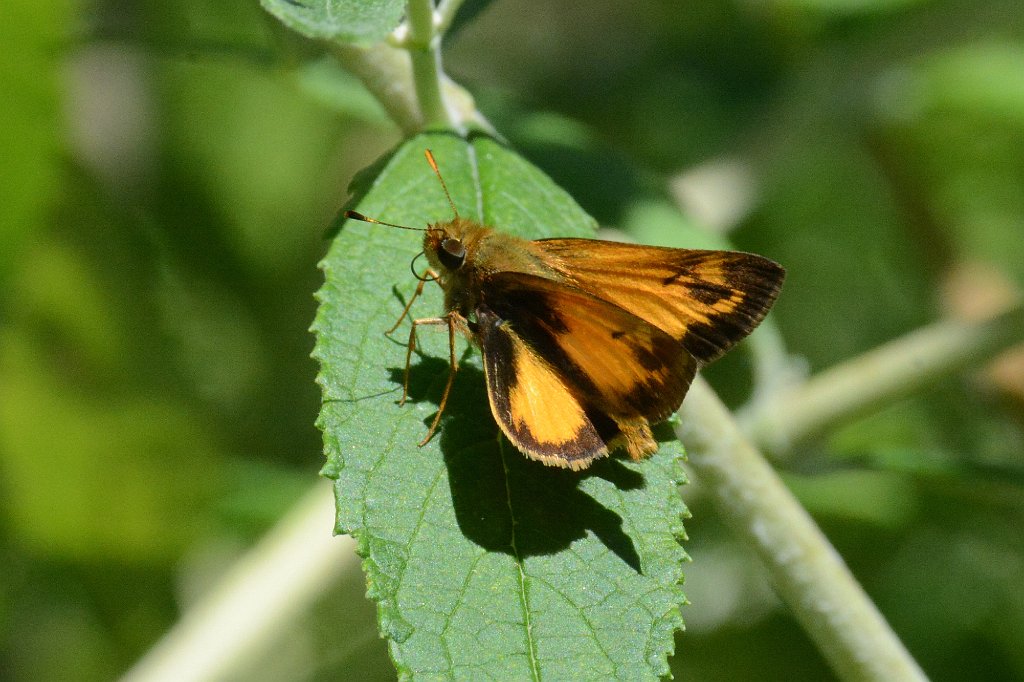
524	595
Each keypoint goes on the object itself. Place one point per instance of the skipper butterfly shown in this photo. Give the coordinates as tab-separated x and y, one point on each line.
585	343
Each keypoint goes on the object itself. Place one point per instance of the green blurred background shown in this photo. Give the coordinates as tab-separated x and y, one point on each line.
168	171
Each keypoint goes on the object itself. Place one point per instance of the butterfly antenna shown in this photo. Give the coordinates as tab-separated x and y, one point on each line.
356	215
437	172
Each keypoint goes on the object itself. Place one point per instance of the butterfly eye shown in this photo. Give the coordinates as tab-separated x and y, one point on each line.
452	253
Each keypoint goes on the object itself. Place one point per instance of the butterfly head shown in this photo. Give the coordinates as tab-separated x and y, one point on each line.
448	245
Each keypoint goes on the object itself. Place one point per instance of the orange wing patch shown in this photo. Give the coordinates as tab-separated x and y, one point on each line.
540	401
707	300
585	354
535	407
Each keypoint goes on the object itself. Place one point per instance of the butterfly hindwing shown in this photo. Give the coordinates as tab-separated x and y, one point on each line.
707	300
535	406
577	360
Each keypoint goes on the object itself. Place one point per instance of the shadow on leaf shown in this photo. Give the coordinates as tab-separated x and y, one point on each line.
503	501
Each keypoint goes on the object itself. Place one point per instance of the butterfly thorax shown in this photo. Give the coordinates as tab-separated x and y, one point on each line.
465	254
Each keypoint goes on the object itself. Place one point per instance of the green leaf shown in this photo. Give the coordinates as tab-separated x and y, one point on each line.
344	20
483	563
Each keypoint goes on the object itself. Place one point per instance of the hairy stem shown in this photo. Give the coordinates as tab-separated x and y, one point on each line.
877	378
806	570
387	73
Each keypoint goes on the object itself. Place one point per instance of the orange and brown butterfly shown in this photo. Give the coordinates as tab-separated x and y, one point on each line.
585	343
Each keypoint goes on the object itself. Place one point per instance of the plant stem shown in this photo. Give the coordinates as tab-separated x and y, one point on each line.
807	572
254	604
424	47
386	72
879	377
773	368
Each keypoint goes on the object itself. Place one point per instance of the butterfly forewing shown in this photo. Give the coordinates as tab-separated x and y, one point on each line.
707	300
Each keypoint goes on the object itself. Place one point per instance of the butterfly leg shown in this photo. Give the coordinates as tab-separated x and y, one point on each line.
410	347
455	322
429	276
